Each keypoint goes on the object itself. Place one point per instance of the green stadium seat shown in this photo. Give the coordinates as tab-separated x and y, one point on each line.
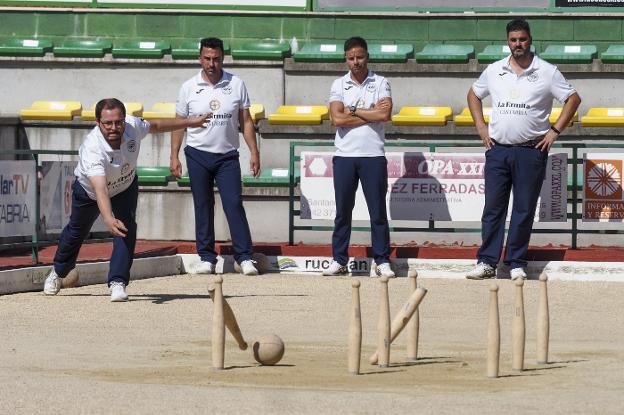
385	52
493	53
135	49
613	54
437	116
189	49
275	177
80	48
320	52
262	50
569	53
184	181
154	176
25	47
443	53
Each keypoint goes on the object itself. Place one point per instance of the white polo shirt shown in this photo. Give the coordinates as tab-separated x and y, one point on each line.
224	100
521	104
366	140
98	158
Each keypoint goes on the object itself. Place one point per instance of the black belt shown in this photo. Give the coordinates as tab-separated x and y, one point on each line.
530	143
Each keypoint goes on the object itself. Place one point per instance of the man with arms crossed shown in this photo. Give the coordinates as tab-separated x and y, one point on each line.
106	184
360	102
212	154
517	142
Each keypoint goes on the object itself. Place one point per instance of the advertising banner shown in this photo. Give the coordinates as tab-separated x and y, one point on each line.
18	181
56	197
589	3
602	187
427	186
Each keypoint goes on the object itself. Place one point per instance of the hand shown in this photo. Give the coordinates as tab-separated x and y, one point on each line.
199	121
254	164
485	137
547	141
383	103
116	227
175	167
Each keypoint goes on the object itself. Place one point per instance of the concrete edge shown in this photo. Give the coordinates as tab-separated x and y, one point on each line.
32	278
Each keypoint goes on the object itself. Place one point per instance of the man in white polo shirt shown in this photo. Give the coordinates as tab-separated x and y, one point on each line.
517	141
212	154
106	184
360	102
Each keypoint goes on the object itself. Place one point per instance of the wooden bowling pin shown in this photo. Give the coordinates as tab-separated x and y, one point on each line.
413	325
355	330
518	331
218	326
493	335
383	338
543	321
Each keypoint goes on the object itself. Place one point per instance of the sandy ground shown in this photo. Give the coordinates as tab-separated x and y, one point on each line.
79	353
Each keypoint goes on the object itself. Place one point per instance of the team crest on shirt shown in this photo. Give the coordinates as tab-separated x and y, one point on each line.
125	168
533	77
371	87
215	105
131	146
226	90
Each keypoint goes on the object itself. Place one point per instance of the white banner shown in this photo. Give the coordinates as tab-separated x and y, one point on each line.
18	180
602	187
56	197
427	186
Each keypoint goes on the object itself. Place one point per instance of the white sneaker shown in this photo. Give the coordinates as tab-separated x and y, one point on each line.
248	267
52	283
118	291
385	270
481	271
335	269
517	273
204	267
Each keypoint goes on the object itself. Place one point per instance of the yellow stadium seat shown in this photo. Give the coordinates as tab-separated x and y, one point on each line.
160	110
465	118
556	113
257	112
300	114
603	117
423	116
52	110
132	108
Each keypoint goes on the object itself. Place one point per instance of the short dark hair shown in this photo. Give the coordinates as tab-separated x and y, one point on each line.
109	104
355	42
211	43
518	24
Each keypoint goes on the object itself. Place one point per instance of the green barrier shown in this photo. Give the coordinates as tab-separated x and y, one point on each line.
269	178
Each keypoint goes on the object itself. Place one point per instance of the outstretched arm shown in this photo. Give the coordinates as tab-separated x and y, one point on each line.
178	123
115	226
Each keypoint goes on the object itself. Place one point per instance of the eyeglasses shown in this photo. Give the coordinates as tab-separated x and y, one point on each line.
114	124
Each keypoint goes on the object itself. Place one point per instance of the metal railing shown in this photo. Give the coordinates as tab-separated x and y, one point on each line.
575	188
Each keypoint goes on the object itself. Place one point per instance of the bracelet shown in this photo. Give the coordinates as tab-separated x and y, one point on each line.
552	127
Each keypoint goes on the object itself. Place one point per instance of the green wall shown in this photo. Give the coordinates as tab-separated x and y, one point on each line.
417	29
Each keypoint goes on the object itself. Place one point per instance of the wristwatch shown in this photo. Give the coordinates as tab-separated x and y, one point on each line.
352	109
